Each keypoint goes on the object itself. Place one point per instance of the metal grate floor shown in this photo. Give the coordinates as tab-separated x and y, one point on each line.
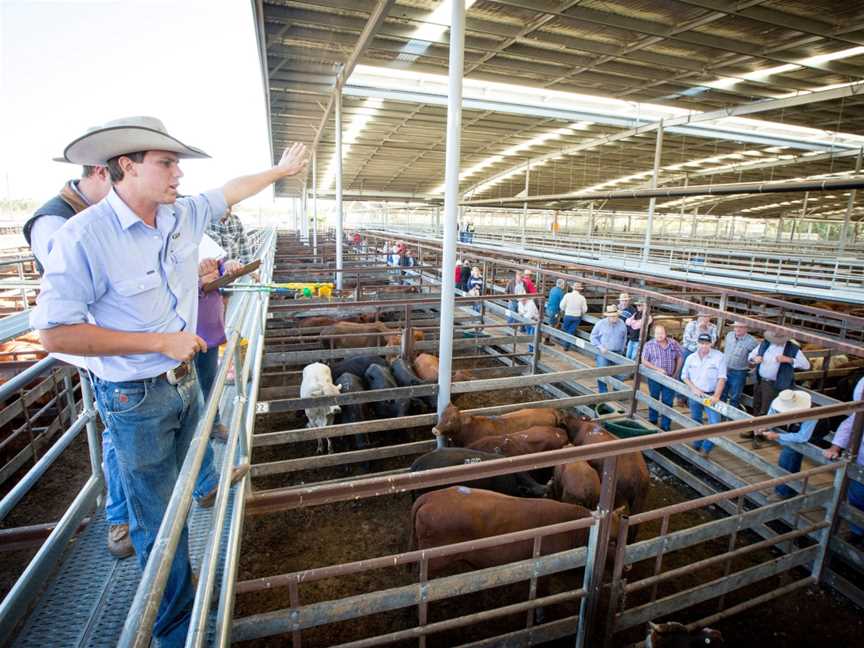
86	601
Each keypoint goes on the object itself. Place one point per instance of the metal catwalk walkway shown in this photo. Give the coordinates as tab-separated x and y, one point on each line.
85	603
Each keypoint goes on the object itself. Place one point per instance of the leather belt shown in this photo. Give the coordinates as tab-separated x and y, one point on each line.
178	373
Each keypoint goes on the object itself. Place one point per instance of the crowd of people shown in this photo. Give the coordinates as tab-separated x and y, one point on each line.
121	298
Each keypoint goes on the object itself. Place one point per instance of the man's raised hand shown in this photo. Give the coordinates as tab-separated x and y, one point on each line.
293	160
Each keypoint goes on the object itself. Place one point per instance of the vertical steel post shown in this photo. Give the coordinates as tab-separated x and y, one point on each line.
525	204
658	152
844	231
338	154
451	204
591	219
779	230
315	205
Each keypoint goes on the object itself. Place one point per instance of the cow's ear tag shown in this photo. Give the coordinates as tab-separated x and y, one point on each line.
463	489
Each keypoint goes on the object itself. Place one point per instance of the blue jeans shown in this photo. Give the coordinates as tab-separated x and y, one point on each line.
855	493
570	325
151	423
665	395
790	461
632	348
696	409
207	365
529	330
116	510
735	380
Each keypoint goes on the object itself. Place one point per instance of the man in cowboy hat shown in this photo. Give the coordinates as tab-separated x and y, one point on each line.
776	358
608	334
574	307
704	372
120	285
789	400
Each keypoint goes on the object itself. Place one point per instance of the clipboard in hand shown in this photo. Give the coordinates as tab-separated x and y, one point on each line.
226	279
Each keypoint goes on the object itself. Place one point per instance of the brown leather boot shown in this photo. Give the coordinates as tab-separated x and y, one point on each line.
236	475
119	541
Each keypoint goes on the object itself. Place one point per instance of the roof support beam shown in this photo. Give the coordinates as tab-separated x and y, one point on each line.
734	188
375	20
737	111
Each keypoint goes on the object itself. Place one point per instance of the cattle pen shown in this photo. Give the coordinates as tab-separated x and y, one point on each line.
702	157
703	557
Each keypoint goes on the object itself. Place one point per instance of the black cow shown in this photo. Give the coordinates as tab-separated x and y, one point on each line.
405	377
676	635
515	484
353	413
356	365
378	377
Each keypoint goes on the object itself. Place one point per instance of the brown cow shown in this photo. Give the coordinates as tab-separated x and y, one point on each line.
396	340
461	513
533	439
576	483
633	476
345	335
464	429
426	368
322	320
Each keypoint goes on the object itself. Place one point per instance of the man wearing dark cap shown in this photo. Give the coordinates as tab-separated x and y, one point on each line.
705	374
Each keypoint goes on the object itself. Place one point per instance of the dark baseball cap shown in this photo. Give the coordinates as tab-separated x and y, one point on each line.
704	337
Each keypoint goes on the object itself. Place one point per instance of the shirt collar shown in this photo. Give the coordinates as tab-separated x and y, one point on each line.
124	214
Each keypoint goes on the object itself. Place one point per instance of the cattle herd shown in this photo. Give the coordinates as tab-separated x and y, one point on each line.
489	506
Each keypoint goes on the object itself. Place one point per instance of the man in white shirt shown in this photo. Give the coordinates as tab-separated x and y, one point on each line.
704	372
574	307
776	358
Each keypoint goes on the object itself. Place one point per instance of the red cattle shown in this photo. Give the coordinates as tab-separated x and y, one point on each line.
633	476
461	513
322	320
576	483
426	368
464	429
528	441
345	335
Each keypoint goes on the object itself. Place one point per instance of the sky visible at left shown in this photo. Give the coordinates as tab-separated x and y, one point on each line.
68	65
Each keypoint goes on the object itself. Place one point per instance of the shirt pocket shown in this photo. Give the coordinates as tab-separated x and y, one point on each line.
140	296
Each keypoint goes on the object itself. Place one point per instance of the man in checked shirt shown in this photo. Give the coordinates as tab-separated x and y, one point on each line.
228	232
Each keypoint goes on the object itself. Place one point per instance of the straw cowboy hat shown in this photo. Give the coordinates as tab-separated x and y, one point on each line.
791	400
126	135
611	309
623	296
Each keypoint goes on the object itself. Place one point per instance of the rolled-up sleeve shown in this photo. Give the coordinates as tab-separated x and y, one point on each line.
67	288
204	208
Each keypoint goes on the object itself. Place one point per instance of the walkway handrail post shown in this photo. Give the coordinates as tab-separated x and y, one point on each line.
451	203
337	97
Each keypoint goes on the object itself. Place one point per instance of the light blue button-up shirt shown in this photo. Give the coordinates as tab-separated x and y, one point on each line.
612	335
106	266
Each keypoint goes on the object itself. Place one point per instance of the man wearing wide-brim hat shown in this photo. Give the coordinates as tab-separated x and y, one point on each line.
736	347
121	286
608	334
789	400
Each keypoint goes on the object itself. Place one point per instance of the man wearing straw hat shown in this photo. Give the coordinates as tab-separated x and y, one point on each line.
789	400
120	286
777	358
608	334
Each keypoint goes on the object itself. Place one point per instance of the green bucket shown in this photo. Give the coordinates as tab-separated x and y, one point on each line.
625	428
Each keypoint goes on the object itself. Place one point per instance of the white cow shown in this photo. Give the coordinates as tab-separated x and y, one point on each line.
318	381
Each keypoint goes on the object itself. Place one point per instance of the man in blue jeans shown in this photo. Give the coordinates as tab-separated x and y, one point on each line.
737	346
120	287
704	372
664	355
608	335
789	400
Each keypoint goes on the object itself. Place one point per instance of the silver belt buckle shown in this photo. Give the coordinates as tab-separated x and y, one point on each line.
170	377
